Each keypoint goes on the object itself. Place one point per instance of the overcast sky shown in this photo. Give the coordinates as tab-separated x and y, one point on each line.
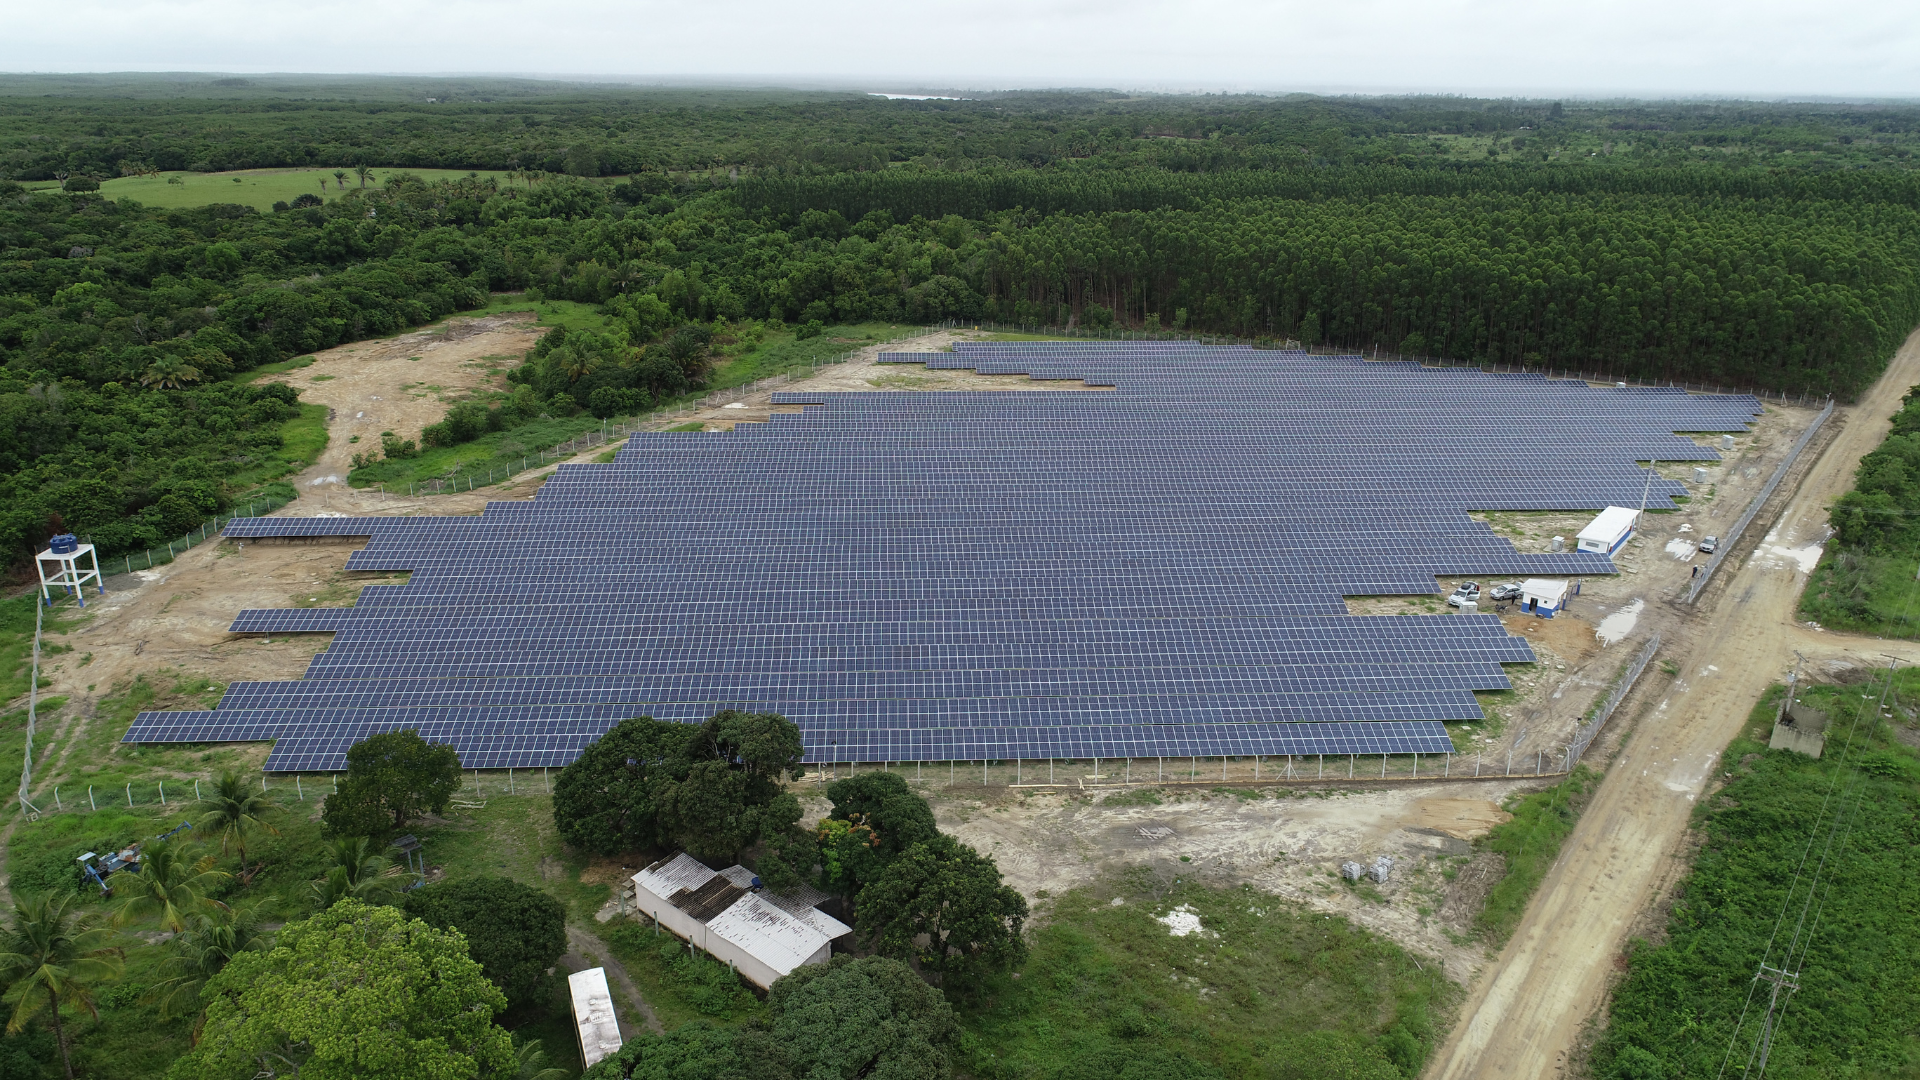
1766	48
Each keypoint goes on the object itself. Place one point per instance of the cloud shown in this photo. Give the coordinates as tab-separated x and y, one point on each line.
1754	47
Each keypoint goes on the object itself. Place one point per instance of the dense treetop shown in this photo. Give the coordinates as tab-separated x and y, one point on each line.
107	125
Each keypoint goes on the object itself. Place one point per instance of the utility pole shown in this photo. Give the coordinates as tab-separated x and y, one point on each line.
1793	680
1784	984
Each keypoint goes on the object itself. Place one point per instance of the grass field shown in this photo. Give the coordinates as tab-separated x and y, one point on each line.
1821	853
258	188
1262	989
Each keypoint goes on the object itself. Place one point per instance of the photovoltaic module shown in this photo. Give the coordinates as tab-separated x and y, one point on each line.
1153	569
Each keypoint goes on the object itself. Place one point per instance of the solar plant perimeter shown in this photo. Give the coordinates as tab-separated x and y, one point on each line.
1151	571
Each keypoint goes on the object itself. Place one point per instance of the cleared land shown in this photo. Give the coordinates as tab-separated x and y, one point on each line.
1628	847
1284	842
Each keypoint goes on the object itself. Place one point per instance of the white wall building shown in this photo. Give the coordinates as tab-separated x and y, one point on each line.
758	933
1611	529
1544	596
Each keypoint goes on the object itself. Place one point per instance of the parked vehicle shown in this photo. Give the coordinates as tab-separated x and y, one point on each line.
1709	545
1468	590
1509	591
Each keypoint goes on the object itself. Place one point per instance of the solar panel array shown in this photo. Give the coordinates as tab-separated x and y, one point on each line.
1155	569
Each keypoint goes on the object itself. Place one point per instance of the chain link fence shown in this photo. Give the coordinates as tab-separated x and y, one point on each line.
1728	541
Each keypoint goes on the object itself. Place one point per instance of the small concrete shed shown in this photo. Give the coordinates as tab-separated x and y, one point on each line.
1606	533
1544	596
758	933
593	1017
1800	729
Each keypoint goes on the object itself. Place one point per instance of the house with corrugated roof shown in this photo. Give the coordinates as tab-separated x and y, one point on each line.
757	932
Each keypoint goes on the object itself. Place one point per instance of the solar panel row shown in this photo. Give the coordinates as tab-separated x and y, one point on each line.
1158	569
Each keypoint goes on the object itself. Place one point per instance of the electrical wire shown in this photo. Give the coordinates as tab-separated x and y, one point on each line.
1797	944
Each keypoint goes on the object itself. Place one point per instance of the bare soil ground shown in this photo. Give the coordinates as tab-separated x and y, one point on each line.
1289	842
1631	844
402	384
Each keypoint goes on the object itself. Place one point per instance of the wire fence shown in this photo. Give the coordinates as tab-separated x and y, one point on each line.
208	530
1584	735
1753	508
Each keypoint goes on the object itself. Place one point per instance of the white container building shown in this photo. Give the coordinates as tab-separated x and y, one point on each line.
1544	596
593	1017
1606	533
756	932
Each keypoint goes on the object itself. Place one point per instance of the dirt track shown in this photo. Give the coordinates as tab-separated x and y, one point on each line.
1625	852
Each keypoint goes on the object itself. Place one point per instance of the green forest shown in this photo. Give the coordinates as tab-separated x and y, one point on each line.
1745	246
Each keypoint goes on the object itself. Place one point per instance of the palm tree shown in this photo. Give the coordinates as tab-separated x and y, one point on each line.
233	810
170	372
53	957
577	364
169	888
362	172
358	873
340	179
213	937
530	1062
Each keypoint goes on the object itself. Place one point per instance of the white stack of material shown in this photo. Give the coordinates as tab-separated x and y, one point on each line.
1381	867
1352	871
593	1017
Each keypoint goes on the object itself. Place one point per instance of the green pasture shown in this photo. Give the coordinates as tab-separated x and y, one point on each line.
258	188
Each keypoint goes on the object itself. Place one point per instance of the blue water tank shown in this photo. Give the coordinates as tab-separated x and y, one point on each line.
64	544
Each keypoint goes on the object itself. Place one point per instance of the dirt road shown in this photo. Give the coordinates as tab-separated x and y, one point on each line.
1553	975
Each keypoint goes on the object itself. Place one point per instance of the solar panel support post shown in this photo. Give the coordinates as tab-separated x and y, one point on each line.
1256	768
129	794
1383	766
510	787
1162	774
90	803
1323	767
163	792
1350	760
1416	766
298	793
1448	772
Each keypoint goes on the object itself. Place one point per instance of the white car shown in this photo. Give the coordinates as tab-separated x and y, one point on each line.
1468	590
1709	545
1509	591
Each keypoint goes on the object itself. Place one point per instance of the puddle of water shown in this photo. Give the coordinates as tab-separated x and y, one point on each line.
1618	625
1681	549
1803	559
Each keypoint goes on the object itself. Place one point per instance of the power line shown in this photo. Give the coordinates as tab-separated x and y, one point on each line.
1784	976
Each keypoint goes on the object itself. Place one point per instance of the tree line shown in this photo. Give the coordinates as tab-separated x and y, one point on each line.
599	131
126	332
